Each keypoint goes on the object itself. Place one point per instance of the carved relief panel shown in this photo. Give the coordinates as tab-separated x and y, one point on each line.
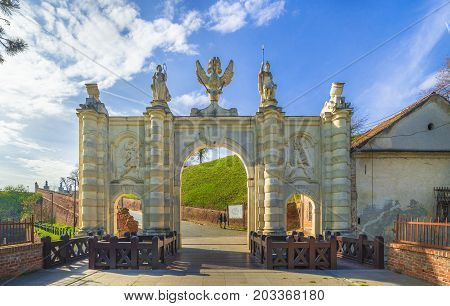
127	160
301	158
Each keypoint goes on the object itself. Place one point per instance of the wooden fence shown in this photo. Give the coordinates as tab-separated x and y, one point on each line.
64	251
17	232
56	230
362	250
432	234
294	251
131	252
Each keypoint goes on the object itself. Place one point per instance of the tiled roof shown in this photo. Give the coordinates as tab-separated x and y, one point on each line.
364	138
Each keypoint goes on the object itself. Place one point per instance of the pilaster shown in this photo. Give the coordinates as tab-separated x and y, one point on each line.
272	127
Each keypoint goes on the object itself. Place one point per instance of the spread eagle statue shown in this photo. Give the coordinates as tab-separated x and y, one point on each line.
214	82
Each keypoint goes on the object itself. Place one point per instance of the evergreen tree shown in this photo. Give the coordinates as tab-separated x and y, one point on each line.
10	45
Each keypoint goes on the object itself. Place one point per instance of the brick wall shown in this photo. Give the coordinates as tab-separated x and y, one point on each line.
432	265
62	207
19	259
209	216
125	222
131	204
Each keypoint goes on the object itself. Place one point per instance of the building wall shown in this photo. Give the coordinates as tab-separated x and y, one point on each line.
19	259
394	183
432	265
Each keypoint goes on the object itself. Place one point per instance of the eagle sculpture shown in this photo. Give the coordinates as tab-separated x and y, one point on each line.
214	82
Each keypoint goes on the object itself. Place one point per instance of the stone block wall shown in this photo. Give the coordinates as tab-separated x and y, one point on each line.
19	259
432	265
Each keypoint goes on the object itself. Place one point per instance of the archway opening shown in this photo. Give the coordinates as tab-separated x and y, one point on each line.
213	195
128	214
300	214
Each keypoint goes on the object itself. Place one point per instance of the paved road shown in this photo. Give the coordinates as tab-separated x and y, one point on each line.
212	256
193	233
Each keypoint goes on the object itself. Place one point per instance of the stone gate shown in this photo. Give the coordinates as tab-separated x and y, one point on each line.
282	155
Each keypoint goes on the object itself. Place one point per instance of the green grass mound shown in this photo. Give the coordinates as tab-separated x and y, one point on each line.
214	184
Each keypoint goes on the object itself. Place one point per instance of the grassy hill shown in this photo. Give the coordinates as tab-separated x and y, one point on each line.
214	184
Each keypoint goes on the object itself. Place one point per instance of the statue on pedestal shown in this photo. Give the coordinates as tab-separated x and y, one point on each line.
214	82
266	86
159	87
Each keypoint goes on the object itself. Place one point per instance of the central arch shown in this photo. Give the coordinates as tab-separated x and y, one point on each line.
229	144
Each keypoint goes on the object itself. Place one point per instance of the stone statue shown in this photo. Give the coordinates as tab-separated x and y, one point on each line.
159	87
266	86
214	82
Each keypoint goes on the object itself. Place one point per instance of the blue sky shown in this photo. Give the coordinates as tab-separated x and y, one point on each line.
305	41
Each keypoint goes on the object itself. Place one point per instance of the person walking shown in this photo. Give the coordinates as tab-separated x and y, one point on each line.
225	219
220	219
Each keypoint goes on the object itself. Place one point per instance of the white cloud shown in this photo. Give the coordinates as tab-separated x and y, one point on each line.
40	85
263	11
403	75
45	169
181	105
10	134
38	82
227	16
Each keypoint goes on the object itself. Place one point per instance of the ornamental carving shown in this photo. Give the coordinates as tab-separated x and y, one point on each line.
126	160
301	159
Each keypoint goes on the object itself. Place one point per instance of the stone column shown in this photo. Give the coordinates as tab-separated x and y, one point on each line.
326	170
168	139
341	183
154	203
88	170
251	207
272	142
336	183
102	173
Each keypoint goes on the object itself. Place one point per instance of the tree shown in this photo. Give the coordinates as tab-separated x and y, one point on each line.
201	154
11	45
358	124
69	182
442	85
17	203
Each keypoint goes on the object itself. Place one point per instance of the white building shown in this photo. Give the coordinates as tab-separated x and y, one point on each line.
397	164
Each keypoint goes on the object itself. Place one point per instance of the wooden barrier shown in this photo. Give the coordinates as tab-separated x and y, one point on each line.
362	250
131	252
425	233
294	251
64	251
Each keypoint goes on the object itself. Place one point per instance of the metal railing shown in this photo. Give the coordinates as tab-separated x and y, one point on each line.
56	230
17	232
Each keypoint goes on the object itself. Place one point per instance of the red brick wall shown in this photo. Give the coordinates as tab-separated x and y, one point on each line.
62	207
209	216
19	259
131	204
125	222
432	265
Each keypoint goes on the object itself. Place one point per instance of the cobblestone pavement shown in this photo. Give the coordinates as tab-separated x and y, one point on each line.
213	256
